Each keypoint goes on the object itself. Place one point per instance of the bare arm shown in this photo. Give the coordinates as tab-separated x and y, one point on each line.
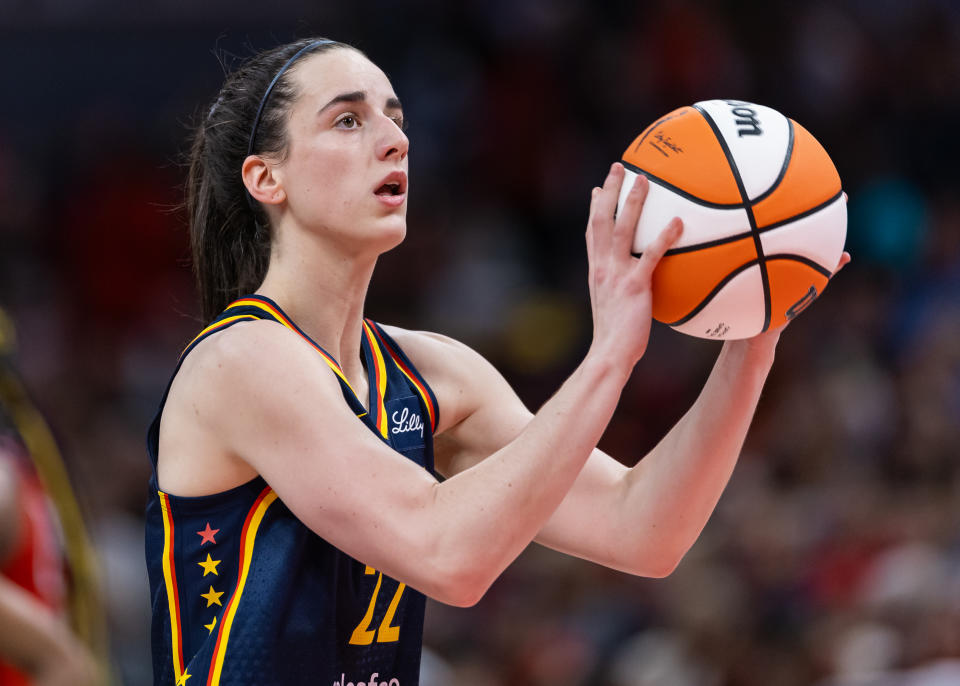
672	492
37	642
449	540
32	637
640	520
643	520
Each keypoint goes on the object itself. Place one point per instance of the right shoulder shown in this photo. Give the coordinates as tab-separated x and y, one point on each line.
246	352
248	364
237	342
234	387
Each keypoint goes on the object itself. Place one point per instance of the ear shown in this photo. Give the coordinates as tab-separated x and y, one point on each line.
262	181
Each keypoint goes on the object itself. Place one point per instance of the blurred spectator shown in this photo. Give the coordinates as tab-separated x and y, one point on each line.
51	629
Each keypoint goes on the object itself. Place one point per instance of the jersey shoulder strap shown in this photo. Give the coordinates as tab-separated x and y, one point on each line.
262	307
247	308
403	363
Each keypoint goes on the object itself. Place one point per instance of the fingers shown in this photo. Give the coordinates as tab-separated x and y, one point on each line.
656	250
626	223
844	261
593	206
607	197
604	205
590	233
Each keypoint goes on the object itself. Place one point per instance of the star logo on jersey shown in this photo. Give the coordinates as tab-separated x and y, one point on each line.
209	627
210	566
212	597
183	678
206	536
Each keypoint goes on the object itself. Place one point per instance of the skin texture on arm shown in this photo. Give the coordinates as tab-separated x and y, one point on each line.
640	520
284	418
448	540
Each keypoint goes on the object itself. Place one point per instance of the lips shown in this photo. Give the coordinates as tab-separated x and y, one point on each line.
393	185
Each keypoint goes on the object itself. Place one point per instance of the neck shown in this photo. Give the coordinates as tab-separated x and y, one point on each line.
322	288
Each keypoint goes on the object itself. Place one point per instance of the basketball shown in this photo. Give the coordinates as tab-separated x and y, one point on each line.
764	217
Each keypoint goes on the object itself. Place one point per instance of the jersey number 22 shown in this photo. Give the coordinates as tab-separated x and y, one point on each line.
363	635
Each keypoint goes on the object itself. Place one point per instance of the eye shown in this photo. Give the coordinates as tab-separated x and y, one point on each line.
348	121
400	122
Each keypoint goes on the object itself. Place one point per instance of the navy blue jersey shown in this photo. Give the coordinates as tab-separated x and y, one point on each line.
244	593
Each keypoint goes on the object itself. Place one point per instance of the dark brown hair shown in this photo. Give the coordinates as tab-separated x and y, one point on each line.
229	231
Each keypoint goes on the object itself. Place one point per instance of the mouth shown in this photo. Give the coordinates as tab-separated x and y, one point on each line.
392	187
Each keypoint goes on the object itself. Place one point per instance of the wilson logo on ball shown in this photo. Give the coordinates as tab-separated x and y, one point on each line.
746	118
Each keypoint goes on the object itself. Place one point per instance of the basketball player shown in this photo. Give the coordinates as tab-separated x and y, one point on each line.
37	646
298	517
49	615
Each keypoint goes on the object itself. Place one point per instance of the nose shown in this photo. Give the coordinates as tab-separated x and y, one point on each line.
393	142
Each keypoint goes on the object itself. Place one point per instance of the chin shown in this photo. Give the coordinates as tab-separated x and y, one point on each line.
391	231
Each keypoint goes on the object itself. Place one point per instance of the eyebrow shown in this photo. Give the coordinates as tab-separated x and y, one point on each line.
360	96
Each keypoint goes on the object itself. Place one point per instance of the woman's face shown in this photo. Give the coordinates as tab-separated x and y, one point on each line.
345	173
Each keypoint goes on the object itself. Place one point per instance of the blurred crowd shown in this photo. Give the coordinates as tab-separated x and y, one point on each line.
834	556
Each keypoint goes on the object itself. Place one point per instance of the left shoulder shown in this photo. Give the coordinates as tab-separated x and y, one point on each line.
425	348
460	377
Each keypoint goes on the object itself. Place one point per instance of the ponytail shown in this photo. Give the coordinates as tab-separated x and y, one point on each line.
230	234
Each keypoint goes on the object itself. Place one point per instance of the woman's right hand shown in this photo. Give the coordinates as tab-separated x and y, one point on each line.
620	284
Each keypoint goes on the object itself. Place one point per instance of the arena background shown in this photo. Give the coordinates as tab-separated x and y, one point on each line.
834	555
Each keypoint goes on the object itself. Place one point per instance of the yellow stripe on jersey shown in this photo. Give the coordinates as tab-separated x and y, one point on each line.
170	580
381	379
215	326
248	537
250	302
421	389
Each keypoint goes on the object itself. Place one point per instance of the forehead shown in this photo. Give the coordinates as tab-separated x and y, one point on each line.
325	75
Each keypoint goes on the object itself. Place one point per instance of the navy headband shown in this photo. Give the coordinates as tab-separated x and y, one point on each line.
266	95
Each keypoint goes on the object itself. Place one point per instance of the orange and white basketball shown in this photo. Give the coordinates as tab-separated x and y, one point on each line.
763	213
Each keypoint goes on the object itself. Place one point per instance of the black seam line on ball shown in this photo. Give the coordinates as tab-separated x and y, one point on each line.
706	244
805	213
679	191
710	296
762	229
765	278
790	257
783	168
